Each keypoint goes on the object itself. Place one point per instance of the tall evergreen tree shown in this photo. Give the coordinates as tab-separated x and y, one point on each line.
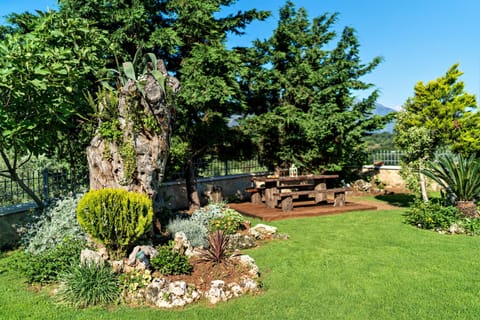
302	95
446	110
190	36
441	114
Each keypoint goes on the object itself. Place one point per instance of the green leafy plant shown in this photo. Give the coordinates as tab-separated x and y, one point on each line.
88	284
134	280
431	215
170	262
115	217
46	266
203	215
128	154
110	130
216	252
230	222
470	226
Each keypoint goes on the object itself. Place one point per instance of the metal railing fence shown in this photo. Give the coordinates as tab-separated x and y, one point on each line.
385	157
46	184
53	184
205	168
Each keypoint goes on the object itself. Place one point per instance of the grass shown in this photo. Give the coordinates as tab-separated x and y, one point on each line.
361	265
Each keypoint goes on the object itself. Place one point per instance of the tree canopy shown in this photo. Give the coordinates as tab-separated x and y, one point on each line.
440	115
302	94
445	110
297	89
46	66
190	36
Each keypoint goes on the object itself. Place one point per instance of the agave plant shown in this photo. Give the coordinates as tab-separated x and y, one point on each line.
459	177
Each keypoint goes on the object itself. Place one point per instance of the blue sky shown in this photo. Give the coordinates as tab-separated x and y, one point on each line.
418	39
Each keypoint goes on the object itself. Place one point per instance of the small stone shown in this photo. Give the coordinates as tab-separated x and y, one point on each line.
88	256
178	288
117	266
182	244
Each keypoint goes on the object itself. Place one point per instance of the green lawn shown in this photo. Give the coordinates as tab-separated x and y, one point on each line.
361	265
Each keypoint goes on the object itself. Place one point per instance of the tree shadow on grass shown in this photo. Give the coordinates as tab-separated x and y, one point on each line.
397	199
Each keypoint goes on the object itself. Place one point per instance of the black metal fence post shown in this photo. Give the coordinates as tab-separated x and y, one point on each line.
226	167
46	190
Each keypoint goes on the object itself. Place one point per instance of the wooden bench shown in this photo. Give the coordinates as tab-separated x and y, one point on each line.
256	194
286	197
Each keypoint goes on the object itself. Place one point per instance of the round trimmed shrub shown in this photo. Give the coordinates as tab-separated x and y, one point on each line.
115	217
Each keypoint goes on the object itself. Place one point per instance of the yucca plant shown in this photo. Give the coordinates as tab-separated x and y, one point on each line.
460	178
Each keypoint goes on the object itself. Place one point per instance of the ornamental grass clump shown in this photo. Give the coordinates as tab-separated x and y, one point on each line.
115	217
89	284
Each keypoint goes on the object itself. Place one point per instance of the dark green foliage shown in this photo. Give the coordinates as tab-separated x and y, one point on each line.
459	176
115	217
380	141
431	215
302	95
46	266
170	262
48	63
88	284
470	226
217	250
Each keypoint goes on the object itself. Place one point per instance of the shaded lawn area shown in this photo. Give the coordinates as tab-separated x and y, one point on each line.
360	265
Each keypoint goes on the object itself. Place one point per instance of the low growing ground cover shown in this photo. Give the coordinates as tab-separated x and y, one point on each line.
361	265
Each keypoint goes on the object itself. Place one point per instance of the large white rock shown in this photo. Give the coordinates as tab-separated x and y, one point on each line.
262	231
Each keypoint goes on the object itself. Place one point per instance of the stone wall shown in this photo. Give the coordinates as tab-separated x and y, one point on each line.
390	176
174	193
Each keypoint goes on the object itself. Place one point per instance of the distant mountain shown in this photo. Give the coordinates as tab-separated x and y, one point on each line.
382	110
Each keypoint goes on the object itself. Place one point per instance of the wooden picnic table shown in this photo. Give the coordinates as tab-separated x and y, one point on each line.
273	190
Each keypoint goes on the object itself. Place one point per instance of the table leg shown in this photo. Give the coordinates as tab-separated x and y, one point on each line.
339	199
321	197
256	198
287	204
270	200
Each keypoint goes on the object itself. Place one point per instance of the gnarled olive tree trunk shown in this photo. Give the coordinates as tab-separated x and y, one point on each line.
130	151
